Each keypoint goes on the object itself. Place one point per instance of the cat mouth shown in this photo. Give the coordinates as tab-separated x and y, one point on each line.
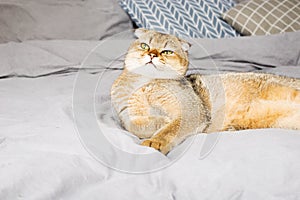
150	62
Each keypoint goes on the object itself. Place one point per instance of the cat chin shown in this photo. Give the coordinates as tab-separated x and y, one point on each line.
150	71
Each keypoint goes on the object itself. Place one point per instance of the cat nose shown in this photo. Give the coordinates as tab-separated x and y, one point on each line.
152	55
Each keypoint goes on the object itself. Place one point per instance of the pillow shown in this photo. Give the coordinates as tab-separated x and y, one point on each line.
190	18
61	19
260	17
240	1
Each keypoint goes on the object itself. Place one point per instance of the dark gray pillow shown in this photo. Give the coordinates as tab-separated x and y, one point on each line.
61	19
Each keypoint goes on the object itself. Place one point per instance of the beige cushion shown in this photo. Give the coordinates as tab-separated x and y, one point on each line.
260	17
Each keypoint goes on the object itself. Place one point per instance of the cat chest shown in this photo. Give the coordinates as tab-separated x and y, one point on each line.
156	96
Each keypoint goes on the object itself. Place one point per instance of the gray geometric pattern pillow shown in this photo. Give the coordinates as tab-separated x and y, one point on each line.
184	18
260	17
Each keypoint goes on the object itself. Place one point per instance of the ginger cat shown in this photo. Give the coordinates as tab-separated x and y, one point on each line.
157	102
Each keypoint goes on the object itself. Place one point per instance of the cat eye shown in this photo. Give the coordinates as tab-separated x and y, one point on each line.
145	46
167	52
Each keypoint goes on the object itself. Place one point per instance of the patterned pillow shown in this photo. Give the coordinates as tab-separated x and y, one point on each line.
184	18
260	17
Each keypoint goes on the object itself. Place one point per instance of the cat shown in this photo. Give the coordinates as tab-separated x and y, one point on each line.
157	102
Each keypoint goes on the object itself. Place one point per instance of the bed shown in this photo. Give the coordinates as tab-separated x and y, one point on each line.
60	139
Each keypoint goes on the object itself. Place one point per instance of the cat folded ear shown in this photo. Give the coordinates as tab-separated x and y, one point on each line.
185	45
140	31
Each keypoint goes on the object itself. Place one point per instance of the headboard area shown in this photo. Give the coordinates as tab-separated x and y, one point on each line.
22	20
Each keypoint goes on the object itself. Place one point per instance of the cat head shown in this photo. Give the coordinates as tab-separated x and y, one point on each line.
157	55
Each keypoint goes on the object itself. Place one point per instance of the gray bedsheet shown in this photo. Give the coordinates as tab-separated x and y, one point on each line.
273	54
43	157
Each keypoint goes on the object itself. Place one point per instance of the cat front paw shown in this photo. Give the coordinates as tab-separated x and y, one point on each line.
158	145
150	143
